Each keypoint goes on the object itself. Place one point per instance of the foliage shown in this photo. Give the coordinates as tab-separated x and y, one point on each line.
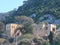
2	30
2	40
56	41
58	26
27	29
24	43
29	36
46	43
23	19
11	40
9	19
39	7
50	37
40	41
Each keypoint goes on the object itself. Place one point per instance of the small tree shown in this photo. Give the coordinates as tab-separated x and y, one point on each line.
26	22
23	20
27	28
50	37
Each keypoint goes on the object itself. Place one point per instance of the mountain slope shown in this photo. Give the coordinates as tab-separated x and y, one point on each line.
39	11
40	8
7	17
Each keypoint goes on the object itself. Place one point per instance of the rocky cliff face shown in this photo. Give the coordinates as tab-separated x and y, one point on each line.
50	18
47	18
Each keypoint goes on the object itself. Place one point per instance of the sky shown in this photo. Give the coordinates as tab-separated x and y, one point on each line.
8	5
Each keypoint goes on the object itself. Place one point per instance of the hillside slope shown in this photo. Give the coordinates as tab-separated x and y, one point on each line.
39	10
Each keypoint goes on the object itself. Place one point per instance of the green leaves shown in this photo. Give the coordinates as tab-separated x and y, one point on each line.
23	19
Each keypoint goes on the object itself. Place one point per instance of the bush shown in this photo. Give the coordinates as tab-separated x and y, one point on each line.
24	43
28	36
40	41
46	43
50	37
56	41
11	40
